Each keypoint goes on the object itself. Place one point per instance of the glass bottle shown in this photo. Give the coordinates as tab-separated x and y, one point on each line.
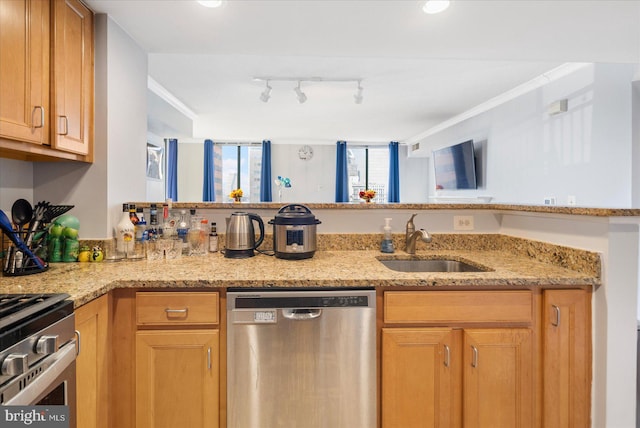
213	239
182	227
132	214
125	232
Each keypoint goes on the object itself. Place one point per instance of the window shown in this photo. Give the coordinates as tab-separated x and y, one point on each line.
239	167
368	168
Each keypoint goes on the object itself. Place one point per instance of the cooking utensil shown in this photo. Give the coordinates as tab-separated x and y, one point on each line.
54	211
14	236
240	236
294	232
21	214
40	209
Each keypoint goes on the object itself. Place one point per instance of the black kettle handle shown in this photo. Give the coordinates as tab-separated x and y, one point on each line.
291	207
255	217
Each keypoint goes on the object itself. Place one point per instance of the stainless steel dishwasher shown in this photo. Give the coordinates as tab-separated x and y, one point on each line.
301	359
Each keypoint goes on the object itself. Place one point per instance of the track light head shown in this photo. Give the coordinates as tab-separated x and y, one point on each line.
358	96
266	94
301	95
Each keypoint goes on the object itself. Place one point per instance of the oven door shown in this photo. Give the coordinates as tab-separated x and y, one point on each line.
55	385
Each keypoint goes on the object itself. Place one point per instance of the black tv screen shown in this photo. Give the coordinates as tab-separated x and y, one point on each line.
455	167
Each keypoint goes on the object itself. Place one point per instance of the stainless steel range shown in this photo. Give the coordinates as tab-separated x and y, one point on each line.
38	349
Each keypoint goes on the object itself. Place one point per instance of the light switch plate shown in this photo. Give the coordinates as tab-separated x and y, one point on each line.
463	222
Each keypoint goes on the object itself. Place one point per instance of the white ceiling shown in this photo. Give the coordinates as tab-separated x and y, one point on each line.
417	70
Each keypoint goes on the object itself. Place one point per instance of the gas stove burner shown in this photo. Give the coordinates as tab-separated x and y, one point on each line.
24	314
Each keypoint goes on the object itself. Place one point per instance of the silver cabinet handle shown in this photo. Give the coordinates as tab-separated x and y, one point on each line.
556	309
78	343
474	357
41	116
177	311
447	356
66	125
209	358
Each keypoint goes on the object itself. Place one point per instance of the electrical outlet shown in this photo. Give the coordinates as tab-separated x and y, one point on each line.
571	200
462	222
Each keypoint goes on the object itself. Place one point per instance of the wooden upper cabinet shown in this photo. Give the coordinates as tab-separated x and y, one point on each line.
72	77
24	70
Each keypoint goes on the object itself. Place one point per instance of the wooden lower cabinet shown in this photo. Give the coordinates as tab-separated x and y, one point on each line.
445	377
177	378
421	377
567	358
498	384
92	374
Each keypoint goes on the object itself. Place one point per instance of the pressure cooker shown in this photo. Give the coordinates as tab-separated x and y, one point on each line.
294	232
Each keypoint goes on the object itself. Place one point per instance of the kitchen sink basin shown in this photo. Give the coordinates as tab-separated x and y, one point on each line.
431	265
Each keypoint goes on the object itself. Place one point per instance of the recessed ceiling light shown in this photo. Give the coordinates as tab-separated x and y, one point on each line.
211	3
435	6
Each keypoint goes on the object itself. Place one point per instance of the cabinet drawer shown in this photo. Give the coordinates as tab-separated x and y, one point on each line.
176	308
458	306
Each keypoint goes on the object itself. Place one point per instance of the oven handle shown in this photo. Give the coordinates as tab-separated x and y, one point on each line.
63	359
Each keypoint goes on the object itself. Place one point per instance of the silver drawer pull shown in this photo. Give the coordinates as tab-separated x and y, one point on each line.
66	125
177	311
41	116
474	358
556	309
447	356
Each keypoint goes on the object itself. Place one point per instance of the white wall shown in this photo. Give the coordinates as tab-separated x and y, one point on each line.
16	181
585	152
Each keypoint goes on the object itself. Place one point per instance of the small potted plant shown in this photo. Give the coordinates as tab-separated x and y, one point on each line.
236	195
367	195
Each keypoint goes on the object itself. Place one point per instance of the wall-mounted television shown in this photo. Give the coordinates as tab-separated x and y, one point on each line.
455	167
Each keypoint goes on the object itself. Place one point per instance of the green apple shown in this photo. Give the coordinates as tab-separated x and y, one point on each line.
70	233
55	231
68	220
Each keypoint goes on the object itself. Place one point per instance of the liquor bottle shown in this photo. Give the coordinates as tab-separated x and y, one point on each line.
152	230
213	239
182	227
125	232
132	214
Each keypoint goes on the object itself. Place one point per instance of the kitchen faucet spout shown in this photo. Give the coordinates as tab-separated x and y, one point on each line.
410	246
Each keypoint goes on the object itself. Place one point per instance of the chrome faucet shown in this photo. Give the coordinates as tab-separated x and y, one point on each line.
412	236
409	229
410	246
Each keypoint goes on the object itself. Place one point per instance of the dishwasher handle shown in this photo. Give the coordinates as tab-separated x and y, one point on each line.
301	314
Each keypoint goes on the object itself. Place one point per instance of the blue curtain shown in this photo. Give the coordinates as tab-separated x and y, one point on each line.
342	175
208	183
265	172
172	169
394	173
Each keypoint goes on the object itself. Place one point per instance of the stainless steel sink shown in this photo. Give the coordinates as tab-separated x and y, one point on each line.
432	265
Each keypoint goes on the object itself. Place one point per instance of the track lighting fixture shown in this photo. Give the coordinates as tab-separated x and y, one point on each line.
358	96
266	94
301	95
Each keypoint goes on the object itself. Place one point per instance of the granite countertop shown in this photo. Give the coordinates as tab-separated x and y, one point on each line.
328	268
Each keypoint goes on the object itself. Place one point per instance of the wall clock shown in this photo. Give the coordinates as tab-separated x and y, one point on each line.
305	152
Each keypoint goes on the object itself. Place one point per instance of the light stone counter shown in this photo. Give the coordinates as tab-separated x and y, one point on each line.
513	263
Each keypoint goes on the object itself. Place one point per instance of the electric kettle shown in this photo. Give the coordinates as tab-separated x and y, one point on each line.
240	236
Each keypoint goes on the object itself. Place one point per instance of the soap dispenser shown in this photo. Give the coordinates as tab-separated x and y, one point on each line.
386	246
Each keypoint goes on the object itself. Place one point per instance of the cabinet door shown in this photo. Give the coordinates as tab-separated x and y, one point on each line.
498	380
72	91
177	378
420	377
92	364
567	358
24	70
